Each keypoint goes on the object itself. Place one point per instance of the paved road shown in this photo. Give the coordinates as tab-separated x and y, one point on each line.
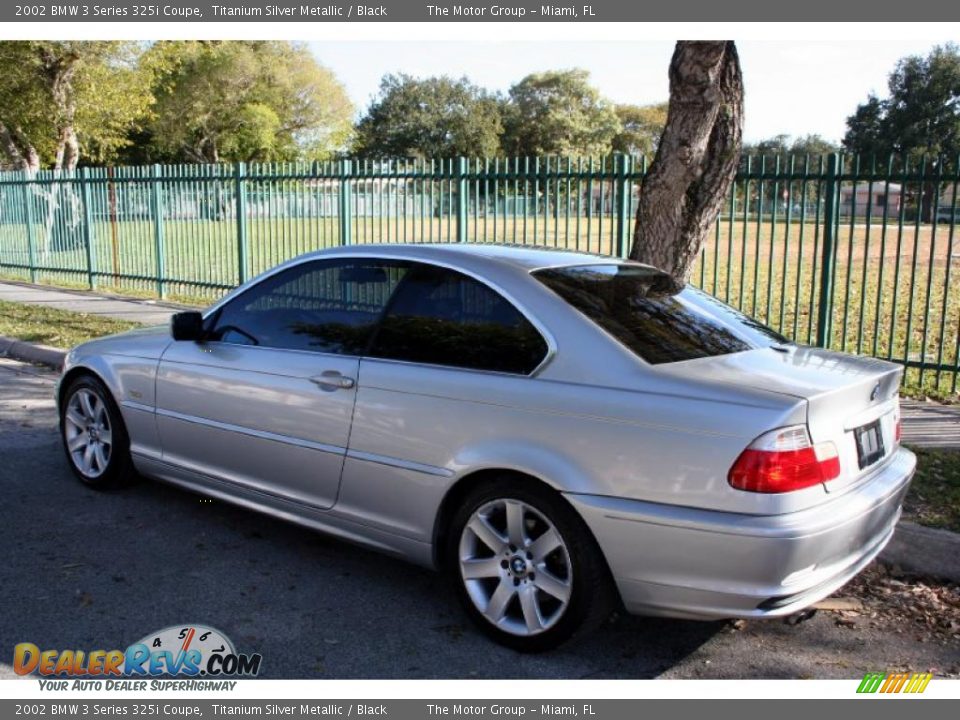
100	570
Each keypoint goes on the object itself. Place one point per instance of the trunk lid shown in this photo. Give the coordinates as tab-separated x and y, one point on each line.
851	401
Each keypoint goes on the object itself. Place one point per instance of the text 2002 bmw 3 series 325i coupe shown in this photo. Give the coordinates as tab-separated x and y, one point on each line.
561	433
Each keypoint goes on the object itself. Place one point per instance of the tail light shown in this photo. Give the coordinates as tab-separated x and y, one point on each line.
784	460
897	427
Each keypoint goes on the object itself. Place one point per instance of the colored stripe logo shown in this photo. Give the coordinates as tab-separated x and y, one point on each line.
894	682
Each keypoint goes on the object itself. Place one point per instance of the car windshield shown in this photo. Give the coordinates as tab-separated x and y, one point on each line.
658	319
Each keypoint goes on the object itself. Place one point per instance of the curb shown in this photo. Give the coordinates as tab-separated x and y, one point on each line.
924	551
28	352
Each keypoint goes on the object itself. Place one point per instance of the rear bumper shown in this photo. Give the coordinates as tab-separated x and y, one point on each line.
682	562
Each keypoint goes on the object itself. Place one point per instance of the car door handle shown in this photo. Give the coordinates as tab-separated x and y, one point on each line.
332	380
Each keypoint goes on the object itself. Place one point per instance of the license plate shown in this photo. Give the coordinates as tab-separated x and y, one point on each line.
869	444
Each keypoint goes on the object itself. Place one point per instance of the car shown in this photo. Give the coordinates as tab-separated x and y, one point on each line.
948	214
563	434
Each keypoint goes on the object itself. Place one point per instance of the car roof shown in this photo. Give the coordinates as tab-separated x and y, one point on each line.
520	256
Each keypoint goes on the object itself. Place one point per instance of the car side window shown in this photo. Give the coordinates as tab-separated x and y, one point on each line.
443	317
328	306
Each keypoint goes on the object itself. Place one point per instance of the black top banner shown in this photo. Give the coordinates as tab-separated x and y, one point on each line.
512	11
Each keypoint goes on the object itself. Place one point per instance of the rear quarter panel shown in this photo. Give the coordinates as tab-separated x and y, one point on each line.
445	424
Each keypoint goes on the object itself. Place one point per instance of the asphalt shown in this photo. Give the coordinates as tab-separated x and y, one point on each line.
96	570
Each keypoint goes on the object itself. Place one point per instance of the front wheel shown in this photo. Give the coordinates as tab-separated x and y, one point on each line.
526	568
94	437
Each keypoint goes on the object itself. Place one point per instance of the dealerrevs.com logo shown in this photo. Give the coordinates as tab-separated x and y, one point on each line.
183	651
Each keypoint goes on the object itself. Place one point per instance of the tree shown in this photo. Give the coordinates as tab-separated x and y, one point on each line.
776	145
245	101
437	117
640	128
813	145
920	117
865	131
558	113
783	146
60	101
697	157
921	114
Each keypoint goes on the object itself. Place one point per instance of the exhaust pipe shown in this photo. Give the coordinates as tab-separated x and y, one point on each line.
800	617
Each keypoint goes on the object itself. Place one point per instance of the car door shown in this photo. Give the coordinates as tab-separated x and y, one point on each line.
448	359
266	400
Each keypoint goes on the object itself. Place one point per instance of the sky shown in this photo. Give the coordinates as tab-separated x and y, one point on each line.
797	87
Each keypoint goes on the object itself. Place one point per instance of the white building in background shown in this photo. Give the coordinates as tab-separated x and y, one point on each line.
881	199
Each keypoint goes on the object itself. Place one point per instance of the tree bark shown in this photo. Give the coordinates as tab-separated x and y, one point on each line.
60	71
18	149
696	160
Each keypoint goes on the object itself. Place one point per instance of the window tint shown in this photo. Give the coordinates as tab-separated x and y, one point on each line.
327	306
652	315
442	317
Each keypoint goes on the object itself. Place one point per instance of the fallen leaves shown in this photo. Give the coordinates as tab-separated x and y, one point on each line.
923	607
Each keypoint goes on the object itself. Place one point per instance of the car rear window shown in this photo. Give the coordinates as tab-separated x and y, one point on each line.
658	319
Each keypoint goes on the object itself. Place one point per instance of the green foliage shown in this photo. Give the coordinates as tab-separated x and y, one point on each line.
641	128
245	101
783	145
436	117
52	93
921	114
865	131
558	113
813	145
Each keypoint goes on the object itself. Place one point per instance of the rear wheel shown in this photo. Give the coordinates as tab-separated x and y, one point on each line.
526	568
94	437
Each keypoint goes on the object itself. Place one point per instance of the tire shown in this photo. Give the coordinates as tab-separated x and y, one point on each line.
94	436
528	585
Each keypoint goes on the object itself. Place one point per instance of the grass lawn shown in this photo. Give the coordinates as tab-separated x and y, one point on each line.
57	328
934	497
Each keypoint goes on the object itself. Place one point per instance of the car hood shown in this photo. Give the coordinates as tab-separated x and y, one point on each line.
145	342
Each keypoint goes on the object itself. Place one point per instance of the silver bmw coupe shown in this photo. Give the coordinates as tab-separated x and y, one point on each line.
561	433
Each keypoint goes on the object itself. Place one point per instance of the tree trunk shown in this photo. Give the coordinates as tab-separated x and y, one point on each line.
60	71
18	150
68	150
696	160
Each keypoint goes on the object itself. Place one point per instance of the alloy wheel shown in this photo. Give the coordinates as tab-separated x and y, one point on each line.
515	567
88	433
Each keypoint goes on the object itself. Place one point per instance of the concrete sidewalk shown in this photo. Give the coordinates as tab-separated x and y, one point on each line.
148	312
931	425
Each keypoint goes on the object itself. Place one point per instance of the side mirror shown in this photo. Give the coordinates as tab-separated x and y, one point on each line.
187	326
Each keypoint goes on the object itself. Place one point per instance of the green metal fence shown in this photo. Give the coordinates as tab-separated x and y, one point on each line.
835	251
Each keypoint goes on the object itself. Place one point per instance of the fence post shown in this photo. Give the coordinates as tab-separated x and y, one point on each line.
240	194
344	210
157	208
623	196
28	211
462	199
828	265
88	228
